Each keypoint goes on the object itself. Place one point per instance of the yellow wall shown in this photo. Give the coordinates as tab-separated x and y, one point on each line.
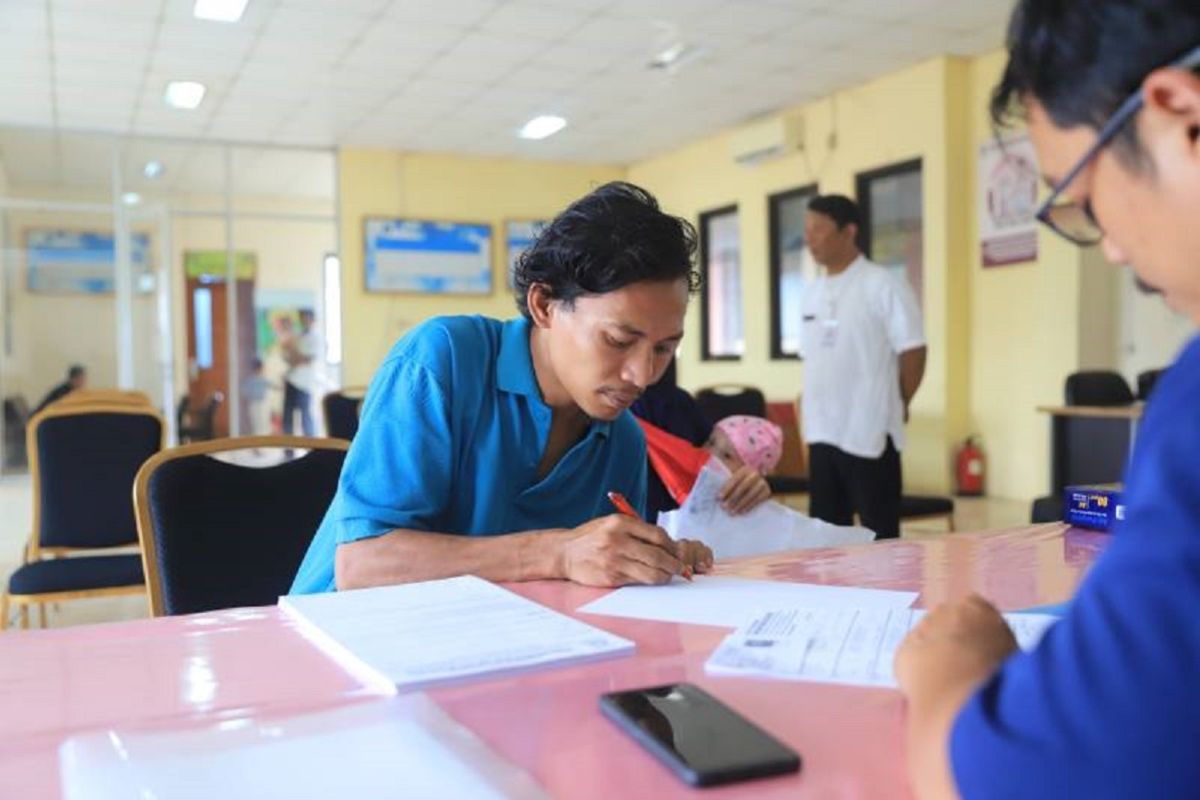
1024	334
914	113
431	186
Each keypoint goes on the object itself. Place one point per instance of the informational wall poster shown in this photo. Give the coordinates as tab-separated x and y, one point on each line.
407	255
1008	195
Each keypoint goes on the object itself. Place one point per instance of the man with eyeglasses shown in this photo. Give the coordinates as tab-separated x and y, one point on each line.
1108	705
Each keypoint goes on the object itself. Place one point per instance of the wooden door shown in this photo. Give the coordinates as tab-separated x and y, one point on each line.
208	345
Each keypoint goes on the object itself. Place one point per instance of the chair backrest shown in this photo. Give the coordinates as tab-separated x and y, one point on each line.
791	461
216	534
1146	381
83	460
118	397
1097	388
727	400
341	412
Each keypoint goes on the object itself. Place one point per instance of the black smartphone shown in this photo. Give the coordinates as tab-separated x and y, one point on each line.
701	739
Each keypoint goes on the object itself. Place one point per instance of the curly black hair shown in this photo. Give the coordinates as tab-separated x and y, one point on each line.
614	236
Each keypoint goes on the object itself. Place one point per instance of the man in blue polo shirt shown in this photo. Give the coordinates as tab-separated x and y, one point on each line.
1108	705
477	427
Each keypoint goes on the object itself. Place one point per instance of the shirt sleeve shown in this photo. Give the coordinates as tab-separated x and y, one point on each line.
906	329
1108	704
399	468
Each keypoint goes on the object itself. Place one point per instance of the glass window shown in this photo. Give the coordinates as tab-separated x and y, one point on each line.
892	208
791	267
721	296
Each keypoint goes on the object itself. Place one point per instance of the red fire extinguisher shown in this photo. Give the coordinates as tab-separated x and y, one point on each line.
970	467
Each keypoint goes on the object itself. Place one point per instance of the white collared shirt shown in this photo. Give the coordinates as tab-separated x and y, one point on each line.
854	325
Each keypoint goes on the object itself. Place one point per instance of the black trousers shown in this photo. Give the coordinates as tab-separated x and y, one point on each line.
842	485
294	400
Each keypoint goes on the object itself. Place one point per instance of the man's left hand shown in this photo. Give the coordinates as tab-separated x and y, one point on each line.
958	644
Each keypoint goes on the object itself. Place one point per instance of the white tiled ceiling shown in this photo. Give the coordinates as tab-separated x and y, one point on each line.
458	75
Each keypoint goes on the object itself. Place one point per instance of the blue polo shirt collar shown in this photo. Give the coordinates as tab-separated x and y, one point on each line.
514	368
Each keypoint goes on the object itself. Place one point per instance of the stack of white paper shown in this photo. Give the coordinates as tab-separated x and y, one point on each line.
770	528
853	646
420	633
730	602
396	748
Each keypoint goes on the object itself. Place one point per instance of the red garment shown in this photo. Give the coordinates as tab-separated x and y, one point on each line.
676	461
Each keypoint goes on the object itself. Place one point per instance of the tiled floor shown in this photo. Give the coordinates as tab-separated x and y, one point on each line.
15	511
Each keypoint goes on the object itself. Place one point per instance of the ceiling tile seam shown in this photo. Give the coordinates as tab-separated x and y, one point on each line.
135	112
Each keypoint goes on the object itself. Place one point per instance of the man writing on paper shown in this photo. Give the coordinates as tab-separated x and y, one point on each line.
864	356
474	427
1108	704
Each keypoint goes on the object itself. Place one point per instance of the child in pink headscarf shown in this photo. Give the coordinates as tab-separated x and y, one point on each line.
737	442
751	441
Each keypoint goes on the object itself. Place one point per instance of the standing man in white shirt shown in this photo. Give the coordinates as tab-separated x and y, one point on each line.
300	379
863	347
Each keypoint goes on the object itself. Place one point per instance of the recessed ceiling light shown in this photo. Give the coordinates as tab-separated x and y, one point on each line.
153	169
219	10
184	94
131	198
541	127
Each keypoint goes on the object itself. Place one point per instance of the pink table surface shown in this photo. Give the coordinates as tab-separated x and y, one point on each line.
174	672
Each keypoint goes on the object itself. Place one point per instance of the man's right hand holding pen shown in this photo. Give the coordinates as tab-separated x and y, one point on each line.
619	550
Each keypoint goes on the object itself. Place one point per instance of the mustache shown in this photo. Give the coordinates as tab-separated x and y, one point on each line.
1145	288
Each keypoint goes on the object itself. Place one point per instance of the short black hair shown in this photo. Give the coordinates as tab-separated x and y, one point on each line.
75	370
838	207
1080	59
614	236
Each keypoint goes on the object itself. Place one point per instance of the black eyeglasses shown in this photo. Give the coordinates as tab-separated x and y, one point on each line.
1075	221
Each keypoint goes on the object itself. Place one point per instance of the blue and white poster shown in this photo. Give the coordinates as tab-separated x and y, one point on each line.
429	257
82	262
520	236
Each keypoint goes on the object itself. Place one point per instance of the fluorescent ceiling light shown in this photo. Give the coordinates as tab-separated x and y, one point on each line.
131	198
153	169
184	94
219	10
541	127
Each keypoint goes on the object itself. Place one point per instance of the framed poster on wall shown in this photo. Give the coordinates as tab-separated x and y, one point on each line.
519	236
1008	194
82	262
427	256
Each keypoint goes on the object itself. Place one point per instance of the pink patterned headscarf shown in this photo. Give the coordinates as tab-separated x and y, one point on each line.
759	442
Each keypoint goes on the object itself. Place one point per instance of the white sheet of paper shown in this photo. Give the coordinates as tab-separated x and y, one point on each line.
403	747
853	646
770	528
421	633
730	602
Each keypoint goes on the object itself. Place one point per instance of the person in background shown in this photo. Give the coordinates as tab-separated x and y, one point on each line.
489	448
300	351
1107	705
670	408
744	441
255	390
863	346
76	379
742	444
